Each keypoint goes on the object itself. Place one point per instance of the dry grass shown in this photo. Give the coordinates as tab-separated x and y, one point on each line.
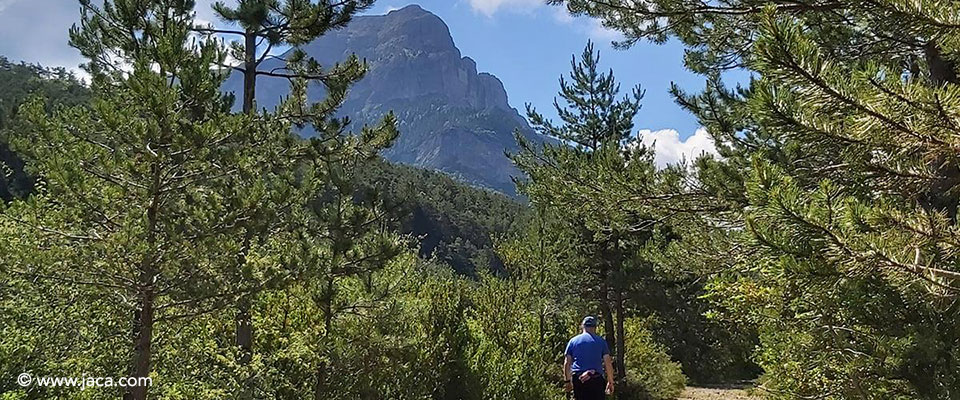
700	393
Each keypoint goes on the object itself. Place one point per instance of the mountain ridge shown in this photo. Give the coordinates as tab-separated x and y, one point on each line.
452	118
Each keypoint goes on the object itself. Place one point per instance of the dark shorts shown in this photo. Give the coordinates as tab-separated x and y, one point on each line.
590	390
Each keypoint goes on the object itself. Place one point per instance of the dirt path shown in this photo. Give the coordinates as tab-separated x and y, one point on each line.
697	393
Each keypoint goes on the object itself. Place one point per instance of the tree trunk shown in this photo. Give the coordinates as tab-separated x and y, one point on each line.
249	71
604	297
619	363
244	334
143	319
143	316
941	70
244	341
318	386
319	389
244	322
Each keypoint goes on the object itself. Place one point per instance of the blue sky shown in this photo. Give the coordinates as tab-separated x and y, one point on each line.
525	43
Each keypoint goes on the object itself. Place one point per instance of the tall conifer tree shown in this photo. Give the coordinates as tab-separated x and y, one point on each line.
597	135
267	25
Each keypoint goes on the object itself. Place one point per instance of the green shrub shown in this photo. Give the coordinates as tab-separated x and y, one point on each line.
651	374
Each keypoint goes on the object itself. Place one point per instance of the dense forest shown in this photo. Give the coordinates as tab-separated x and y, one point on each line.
18	82
453	222
149	228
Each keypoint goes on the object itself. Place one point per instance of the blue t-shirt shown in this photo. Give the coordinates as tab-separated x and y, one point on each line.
587	351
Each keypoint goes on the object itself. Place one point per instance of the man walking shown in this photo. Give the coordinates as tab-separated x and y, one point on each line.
585	361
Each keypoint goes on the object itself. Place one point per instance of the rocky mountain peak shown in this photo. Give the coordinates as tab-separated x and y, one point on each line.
452	118
411	54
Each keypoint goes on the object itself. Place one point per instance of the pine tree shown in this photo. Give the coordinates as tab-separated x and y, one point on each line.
266	25
136	192
277	23
598	149
592	116
345	245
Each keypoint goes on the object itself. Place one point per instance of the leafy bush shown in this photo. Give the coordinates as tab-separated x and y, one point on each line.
651	374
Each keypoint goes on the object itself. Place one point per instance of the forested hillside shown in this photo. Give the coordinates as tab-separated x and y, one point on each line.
17	83
454	222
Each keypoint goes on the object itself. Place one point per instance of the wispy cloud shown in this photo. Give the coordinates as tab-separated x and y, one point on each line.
22	39
591	27
597	31
490	7
670	149
6	3
561	15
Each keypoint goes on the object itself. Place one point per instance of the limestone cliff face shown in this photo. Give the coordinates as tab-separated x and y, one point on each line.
411	55
452	118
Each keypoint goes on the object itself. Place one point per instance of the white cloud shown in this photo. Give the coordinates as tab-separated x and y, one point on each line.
597	31
197	21
591	27
6	3
490	7
23	39
670	149
205	11
561	15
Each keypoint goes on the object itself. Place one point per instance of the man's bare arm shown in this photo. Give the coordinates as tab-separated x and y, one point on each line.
567	368
608	367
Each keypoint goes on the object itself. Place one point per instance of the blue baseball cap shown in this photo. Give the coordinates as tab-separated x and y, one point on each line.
589	321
